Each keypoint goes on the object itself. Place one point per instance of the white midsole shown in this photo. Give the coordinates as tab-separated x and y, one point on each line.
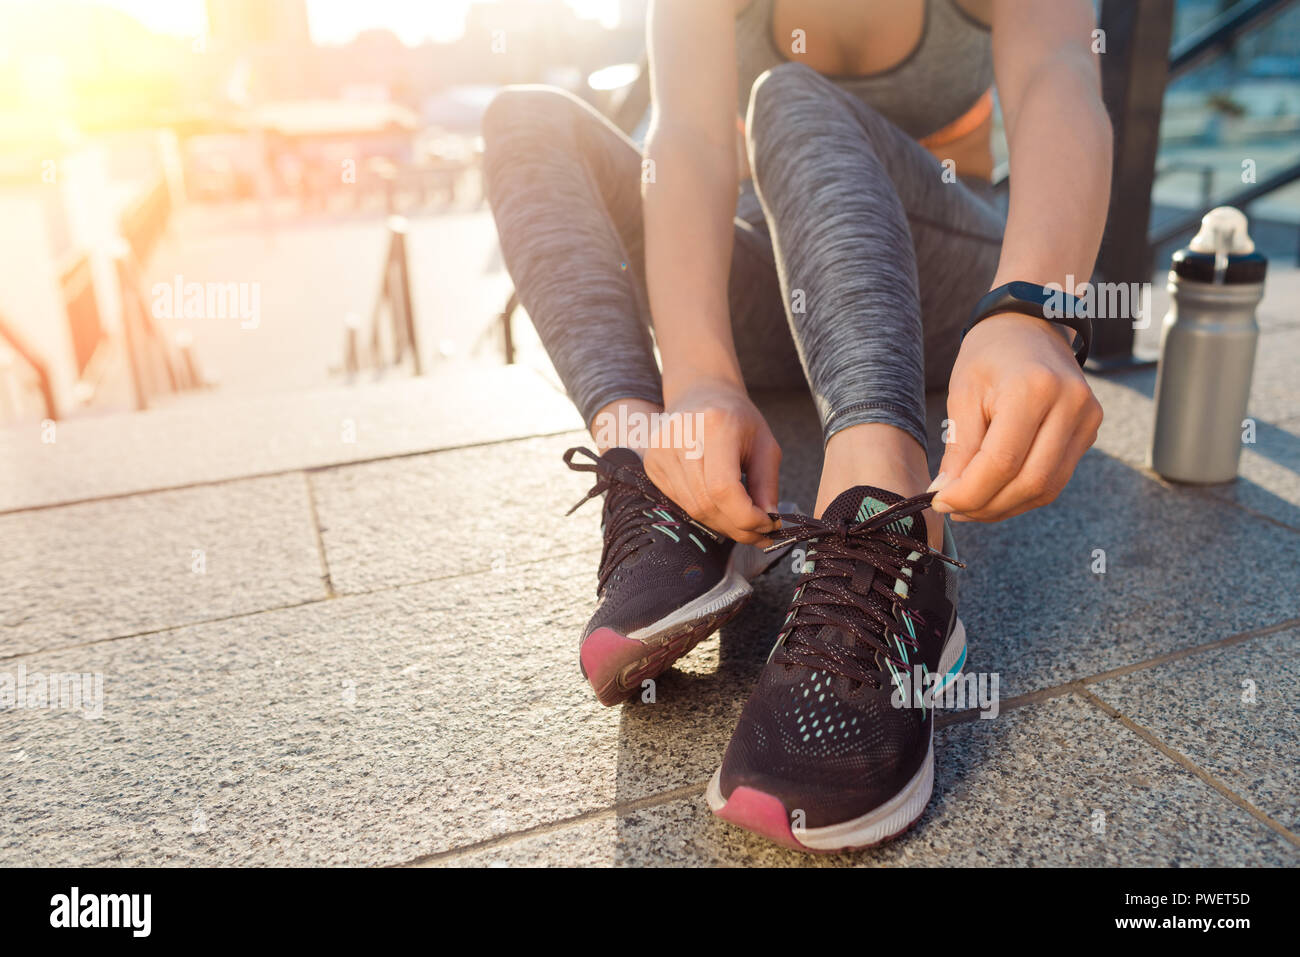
894	815
724	594
745	563
953	651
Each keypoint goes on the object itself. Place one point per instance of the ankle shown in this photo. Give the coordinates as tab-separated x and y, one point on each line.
624	423
880	455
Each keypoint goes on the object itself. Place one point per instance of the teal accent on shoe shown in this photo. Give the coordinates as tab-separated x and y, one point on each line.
953	672
871	505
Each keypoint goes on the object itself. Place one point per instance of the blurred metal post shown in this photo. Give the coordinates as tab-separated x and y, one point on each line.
192	378
1133	75
400	296
351	345
507	326
34	362
130	305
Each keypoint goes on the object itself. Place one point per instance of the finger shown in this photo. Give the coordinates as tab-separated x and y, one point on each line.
665	470
1046	469
738	516
1068	431
1000	457
763	472
964	432
989	515
1060	445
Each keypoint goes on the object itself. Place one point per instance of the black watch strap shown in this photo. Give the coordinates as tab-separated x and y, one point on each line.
1031	299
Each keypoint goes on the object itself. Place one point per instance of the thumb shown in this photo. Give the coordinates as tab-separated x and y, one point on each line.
963	433
763	472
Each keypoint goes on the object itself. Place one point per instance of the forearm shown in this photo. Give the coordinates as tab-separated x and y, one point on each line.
1060	147
688	210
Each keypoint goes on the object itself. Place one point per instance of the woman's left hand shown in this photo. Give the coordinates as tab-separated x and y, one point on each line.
1021	415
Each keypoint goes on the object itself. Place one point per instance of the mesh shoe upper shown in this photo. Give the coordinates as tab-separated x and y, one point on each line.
821	731
655	558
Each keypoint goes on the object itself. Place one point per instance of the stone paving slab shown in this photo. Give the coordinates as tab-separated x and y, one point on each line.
100	569
1269	479
206	439
1181	569
362	730
1052	784
1243	734
449	513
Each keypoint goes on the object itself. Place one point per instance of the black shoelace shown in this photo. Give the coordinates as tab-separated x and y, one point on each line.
629	497
855	566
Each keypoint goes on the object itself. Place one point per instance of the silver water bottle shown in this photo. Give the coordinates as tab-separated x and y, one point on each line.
1207	352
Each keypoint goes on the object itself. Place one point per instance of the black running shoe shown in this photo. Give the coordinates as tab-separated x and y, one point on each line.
666	582
834	749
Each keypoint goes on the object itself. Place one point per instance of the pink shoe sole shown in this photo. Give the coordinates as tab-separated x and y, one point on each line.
616	665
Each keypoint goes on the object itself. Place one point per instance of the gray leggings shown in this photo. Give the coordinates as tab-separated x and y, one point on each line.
854	266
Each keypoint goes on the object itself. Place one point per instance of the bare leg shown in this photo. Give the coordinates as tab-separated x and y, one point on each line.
881	455
606	435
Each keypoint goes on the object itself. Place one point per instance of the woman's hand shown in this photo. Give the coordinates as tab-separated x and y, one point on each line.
703	477
1021	415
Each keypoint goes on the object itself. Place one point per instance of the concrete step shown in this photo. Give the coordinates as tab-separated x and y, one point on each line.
209	437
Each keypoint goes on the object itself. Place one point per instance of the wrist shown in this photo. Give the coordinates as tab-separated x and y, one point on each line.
1043	306
683	376
1004	329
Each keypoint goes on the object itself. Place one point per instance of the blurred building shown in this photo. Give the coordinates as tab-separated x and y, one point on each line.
252	23
264	48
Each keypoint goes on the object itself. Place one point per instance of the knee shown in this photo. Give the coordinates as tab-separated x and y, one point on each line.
518	124
782	99
528	112
776	89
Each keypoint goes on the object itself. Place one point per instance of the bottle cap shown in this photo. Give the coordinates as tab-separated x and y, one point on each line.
1224	231
1221	251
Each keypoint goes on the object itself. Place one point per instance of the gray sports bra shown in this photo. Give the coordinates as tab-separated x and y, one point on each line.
942	79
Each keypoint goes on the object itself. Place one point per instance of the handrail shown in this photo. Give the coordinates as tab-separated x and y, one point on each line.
1213	37
395	293
37	366
1222	30
1189	221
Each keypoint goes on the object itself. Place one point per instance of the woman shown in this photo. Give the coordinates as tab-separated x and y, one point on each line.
863	237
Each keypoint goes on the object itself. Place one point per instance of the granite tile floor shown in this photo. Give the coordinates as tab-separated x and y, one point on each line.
374	661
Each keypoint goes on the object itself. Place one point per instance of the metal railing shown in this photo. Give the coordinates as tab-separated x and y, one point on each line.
1134	84
34	363
1217	36
395	295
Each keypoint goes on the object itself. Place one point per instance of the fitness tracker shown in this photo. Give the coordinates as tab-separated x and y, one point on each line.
1031	299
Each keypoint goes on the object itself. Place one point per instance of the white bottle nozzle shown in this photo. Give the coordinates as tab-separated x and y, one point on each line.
1224	232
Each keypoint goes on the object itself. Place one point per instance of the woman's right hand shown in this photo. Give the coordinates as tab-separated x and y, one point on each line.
725	434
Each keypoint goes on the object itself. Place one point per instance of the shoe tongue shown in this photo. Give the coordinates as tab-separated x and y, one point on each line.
857	505
862	501
625	495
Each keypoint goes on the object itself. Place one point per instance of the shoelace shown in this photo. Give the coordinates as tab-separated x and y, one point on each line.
851	562
629	522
